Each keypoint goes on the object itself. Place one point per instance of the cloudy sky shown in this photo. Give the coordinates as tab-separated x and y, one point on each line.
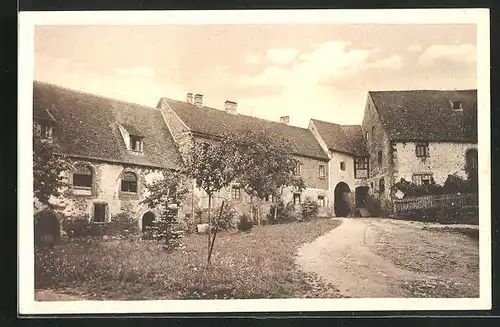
304	71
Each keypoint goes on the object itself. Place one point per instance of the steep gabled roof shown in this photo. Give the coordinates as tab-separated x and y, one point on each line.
342	138
87	126
428	115
214	122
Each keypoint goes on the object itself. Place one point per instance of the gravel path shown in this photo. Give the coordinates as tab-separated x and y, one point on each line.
346	257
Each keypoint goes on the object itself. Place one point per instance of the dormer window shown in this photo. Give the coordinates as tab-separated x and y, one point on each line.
44	130
457	105
136	143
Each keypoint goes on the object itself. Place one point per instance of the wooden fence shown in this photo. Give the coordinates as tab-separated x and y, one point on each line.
435	201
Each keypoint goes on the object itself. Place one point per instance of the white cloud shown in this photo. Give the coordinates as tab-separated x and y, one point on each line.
303	90
144	71
282	56
415	47
393	62
253	59
460	53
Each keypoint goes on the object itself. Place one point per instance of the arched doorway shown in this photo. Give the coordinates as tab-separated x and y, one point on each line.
341	204
47	229
147	220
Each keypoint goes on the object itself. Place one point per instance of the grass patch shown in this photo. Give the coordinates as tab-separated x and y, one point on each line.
445	260
257	264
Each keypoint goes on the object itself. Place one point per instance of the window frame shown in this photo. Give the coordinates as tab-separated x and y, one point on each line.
106	213
134	140
418	150
89	190
322	171
297	169
460	108
342	166
418	178
129	182
297	195
235	192
322	200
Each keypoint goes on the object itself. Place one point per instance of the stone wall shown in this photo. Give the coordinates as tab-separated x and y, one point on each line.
444	158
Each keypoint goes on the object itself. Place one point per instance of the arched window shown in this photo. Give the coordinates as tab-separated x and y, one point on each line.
82	177
129	182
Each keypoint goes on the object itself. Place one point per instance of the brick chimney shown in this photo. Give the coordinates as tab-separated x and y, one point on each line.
285	119
231	107
198	100
189	98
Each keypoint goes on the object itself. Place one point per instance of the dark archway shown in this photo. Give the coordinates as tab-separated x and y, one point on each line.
47	229
341	204
361	196
147	220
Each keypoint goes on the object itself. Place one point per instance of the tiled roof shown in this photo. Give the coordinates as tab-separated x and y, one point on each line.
214	122
87	126
428	115
342	138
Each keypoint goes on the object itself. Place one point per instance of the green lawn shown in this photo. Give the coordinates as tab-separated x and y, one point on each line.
258	264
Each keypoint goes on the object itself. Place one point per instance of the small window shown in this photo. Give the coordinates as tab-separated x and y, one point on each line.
457	105
235	192
373	132
361	163
136	143
296	198
342	165
321	171
421	179
129	182
321	200
379	157
44	130
82	177
421	150
99	213
471	160
298	169
366	136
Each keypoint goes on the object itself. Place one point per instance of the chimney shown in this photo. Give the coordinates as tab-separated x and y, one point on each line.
231	107
198	100
285	119
189	98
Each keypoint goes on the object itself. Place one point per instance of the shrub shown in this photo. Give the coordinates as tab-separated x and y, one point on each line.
280	214
120	225
165	229
309	209
244	223
226	220
456	184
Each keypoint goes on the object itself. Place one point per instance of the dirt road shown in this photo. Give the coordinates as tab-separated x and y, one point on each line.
373	258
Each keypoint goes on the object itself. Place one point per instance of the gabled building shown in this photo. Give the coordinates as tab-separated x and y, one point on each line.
114	147
348	164
190	121
420	136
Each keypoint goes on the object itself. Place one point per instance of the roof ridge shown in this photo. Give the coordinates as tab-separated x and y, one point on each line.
423	90
341	125
242	115
95	95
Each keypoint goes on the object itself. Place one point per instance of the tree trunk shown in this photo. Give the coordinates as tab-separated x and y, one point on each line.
251	208
215	234
209	221
258	214
275	209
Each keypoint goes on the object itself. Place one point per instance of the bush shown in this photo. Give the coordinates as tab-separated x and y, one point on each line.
280	214
226	220
120	225
456	184
244	223
165	228
309	209
411	189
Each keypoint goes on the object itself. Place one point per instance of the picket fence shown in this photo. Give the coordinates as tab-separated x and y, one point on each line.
435	201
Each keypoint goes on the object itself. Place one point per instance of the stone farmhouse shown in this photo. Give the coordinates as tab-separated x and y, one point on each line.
418	136
191	121
115	147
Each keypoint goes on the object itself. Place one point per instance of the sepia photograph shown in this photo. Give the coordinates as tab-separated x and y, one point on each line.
323	161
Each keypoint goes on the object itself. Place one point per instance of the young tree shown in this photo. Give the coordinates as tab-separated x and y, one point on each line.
211	165
48	180
265	164
166	194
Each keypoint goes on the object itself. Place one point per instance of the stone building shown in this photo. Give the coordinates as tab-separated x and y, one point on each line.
420	136
115	147
348	164
190	121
